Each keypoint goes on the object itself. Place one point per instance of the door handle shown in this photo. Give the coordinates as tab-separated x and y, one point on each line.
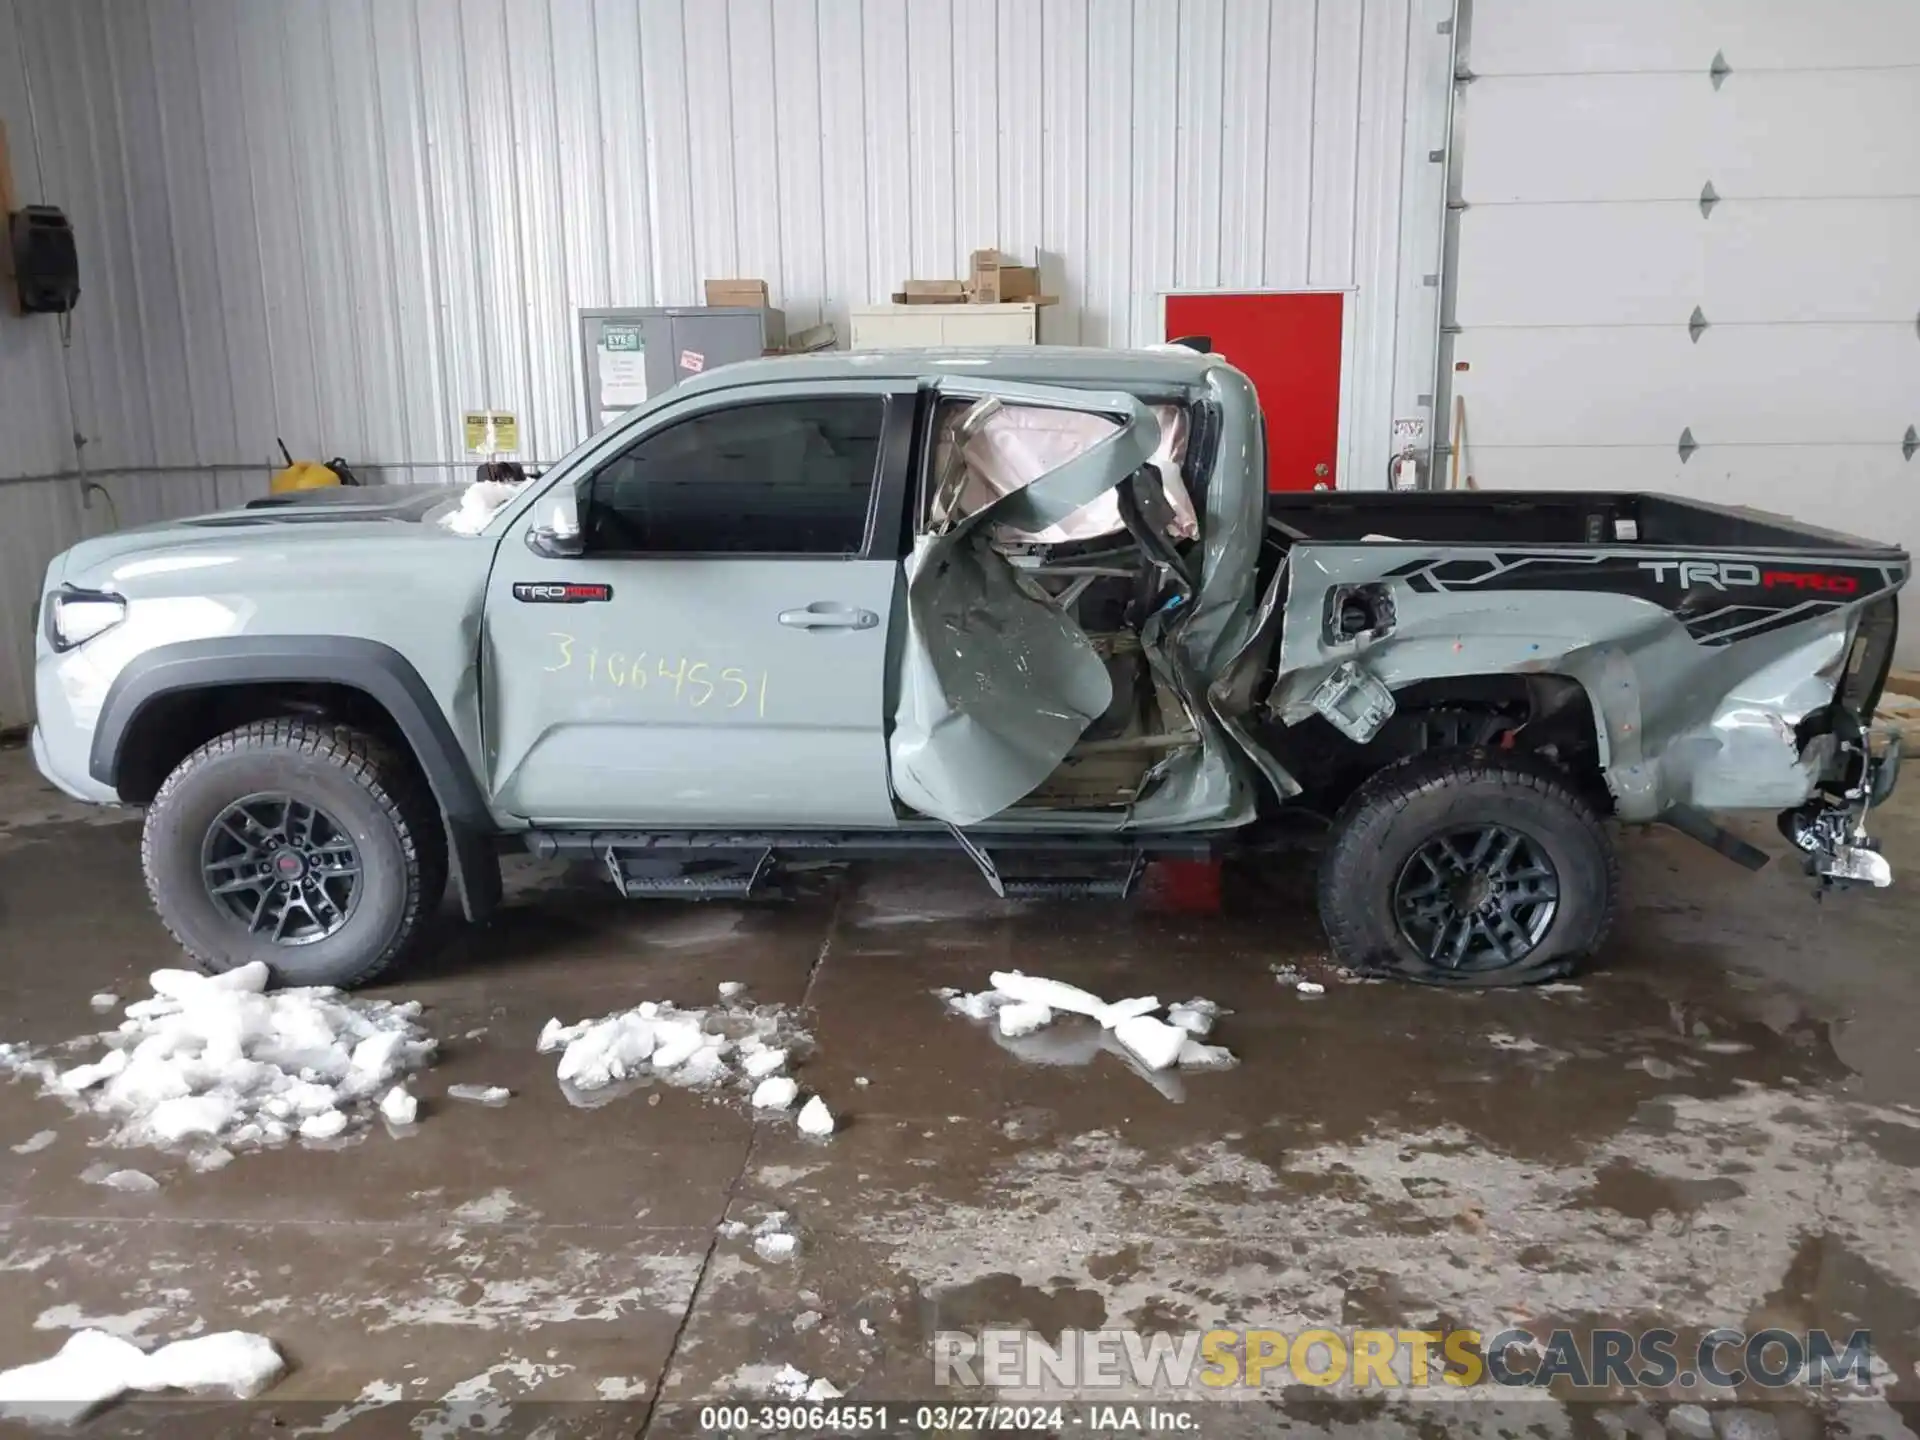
826	615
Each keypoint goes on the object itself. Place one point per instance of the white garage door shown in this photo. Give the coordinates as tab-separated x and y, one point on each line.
1689	254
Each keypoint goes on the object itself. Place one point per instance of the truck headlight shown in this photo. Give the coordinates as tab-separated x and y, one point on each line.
76	616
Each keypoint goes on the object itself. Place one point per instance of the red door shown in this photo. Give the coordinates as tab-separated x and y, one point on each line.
1289	346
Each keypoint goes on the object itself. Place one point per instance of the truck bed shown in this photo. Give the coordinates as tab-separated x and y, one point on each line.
1533	518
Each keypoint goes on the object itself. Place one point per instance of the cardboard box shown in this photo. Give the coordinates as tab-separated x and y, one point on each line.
998	281
750	293
931	292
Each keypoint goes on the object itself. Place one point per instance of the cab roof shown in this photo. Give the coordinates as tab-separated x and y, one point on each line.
1034	364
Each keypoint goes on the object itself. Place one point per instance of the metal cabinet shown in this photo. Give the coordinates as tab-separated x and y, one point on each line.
627	356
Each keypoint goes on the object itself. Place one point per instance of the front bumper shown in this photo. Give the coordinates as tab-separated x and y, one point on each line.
64	774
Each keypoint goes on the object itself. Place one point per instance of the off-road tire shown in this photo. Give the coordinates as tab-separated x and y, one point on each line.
373	793
1407	805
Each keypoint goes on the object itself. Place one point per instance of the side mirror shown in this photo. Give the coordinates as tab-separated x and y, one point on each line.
557	534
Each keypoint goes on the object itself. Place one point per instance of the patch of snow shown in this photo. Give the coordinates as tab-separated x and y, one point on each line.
104	1001
1154	1043
218	1058
603	1051
489	1209
866	1326
676	1041
555	1036
975	1007
731	988
86	1373
619	1387
1196	1055
1195	1016
132	1181
1022	1005
1111	1016
1309	987
39	1140
216	1158
815	1118
1690	1421
1058	995
777	1246
789	1383
231	1360
186	1116
1501	1040
693	1049
480	1094
479	502
399	1106
776	1092
705	1066
93	1368
733	1229
1023	1017
806	1320
763	1061
85	1077
324	1126
862	1081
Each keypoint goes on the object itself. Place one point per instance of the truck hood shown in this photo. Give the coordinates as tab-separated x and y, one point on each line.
276	522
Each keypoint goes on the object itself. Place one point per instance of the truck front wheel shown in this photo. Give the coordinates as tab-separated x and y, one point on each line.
1467	867
303	844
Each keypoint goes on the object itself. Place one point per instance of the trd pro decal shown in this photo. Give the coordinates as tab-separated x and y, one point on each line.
535	592
1718	601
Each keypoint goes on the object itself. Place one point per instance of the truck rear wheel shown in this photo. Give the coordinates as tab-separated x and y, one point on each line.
1467	867
306	845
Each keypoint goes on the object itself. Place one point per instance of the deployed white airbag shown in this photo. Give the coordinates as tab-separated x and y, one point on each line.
1020	443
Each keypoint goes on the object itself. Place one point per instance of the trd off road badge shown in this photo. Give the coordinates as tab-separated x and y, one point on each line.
537	593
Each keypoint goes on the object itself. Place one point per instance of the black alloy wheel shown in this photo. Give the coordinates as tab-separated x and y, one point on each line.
1478	898
282	868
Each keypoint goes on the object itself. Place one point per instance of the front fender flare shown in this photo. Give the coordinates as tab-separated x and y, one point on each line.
378	671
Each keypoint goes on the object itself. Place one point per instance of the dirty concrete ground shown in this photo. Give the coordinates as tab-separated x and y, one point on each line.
1716	1128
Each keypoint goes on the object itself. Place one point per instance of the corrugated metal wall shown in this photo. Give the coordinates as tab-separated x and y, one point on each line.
345	221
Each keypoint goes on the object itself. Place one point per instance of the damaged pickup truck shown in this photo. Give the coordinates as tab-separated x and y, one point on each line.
1033	606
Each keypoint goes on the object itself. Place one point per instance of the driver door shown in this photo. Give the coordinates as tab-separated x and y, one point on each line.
717	655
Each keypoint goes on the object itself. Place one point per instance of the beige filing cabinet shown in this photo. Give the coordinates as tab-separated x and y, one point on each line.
888	327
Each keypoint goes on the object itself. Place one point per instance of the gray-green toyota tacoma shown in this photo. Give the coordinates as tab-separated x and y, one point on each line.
1032	606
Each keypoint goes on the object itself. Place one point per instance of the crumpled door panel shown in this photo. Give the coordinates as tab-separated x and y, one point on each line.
996	683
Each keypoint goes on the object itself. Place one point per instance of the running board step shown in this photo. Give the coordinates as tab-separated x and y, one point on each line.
707	877
1113	880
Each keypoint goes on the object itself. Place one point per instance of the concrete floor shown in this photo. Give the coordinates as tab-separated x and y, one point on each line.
1717	1128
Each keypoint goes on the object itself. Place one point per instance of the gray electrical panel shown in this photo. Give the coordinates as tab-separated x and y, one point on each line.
629	356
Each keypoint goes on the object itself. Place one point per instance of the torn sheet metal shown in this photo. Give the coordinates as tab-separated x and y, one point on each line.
1206	785
1016	444
997	683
